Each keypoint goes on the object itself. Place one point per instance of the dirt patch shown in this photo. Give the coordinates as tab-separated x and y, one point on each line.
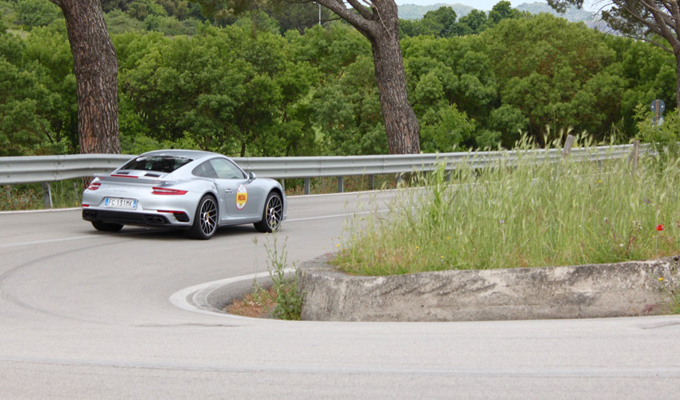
258	304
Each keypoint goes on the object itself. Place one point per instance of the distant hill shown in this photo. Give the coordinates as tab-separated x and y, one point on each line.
573	14
412	11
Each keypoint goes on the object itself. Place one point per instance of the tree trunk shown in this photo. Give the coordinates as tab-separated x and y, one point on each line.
401	124
96	70
380	24
677	84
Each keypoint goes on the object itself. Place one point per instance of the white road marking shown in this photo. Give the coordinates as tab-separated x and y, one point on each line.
36	242
195	298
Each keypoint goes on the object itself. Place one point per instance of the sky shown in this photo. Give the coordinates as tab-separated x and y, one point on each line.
483	4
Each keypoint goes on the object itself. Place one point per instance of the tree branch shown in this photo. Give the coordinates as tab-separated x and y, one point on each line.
361	9
362	24
662	21
644	39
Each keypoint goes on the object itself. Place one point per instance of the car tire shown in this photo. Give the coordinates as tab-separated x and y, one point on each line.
106	226
272	214
205	219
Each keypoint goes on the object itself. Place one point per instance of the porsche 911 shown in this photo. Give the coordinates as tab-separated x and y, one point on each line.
198	191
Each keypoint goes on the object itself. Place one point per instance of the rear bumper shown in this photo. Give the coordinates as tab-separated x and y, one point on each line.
135	218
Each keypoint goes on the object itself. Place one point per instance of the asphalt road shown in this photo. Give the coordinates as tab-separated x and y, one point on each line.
86	315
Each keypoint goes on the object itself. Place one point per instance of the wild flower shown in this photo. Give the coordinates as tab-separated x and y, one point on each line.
659	227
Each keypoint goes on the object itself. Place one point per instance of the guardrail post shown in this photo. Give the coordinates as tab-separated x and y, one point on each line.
371	182
568	144
47	194
634	155
307	185
341	184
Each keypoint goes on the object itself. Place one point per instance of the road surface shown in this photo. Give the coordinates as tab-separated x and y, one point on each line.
86	315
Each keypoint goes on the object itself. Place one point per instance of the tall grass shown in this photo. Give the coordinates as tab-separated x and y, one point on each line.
67	193
530	214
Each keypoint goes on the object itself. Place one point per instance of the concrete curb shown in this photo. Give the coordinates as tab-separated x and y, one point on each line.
585	291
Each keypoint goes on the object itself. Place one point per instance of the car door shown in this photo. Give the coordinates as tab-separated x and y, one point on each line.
241	196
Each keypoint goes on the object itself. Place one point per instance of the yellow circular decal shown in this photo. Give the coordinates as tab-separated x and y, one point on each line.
241	197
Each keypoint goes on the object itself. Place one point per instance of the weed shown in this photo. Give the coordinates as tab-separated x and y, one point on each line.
288	297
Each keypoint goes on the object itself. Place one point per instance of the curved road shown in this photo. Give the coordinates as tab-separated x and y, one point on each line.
86	315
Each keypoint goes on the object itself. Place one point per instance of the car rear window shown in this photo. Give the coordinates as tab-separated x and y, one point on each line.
157	163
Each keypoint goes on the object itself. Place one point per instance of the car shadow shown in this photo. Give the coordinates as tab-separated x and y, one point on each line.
149	233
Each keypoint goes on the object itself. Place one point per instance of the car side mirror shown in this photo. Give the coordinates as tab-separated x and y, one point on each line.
251	176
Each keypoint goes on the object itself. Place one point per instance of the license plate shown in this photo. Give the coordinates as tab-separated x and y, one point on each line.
120	203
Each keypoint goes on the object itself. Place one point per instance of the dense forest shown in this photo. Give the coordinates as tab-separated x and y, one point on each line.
275	82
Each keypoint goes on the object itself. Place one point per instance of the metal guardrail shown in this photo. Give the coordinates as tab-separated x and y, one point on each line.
17	170
38	169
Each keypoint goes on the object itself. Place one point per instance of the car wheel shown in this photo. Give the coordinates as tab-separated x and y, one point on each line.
272	214
205	220
106	227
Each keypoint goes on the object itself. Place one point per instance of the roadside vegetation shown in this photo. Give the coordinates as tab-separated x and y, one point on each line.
265	85
281	300
65	194
523	213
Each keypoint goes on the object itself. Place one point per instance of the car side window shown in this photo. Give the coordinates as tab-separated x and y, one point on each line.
205	170
225	169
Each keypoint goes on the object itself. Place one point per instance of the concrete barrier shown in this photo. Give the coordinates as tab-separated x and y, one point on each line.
585	291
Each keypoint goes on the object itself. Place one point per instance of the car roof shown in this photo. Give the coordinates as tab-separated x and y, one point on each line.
192	154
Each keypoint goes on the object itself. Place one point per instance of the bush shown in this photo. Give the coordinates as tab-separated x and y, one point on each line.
34	13
662	137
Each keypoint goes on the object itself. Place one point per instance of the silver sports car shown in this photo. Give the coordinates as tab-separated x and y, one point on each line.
194	190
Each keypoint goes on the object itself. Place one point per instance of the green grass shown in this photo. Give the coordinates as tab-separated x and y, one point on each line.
527	215
65	194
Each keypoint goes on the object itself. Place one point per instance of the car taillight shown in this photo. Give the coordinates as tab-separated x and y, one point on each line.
167	191
94	186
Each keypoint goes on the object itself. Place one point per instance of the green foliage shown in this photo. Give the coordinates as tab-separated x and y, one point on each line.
176	8
227	89
288	297
3	27
475	22
246	89
503	10
298	16
31	196
24	197
445	129
142	9
118	21
32	13
663	136
521	214
37	93
111	5
7	14
555	73
442	21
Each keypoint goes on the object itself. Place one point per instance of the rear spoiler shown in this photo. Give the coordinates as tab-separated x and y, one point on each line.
132	179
